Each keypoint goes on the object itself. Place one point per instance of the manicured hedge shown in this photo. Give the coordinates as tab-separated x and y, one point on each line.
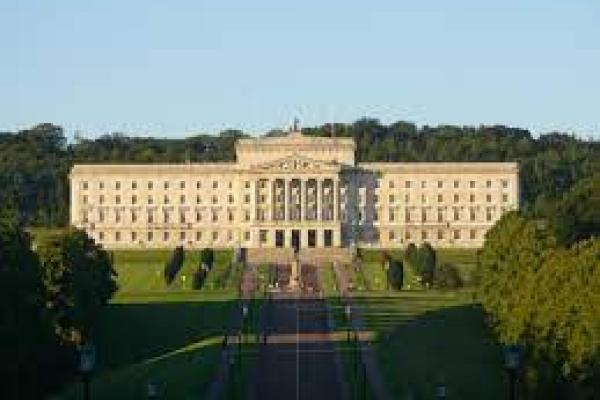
174	265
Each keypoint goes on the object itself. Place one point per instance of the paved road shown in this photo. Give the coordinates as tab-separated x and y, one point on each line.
298	361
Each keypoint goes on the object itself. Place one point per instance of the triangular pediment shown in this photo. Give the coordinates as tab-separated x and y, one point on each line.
297	163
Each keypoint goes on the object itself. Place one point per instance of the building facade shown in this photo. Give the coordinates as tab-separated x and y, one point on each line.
292	191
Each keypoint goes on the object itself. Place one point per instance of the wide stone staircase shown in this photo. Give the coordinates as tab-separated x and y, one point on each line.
314	256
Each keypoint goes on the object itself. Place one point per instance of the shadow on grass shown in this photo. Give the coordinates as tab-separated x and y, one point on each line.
132	333
449	346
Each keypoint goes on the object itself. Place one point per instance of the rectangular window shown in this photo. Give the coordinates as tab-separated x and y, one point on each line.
182	185
133	236
472	198
440	235
262	235
391	198
488	198
117	185
117	216
85	199
150	217
182	217
166	199
117	236
230	199
198	185
101	199
472	214
440	198
424	235
407	216
181	235
165	236
134	199
166	185
391	214
456	198
455	184
133	216
117	199
472	184
407	184
198	216
247	198
150	200
504	197
198	199
215	184
100	235
215	236
247	236
456	234
101	216
456	214
134	185
198	236
391	235
85	217
440	215
488	184
247	184
440	184
472	233
423	184
150	186
85	185
391	184
504	183
488	214
150	236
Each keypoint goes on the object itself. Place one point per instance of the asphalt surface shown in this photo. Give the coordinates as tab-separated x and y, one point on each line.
298	359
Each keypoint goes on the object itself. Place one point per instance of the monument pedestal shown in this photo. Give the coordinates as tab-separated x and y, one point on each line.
295	274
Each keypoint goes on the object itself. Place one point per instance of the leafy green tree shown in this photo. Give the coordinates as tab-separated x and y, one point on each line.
79	279
546	297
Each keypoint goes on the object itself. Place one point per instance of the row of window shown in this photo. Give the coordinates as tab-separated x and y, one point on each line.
262	184
457	234
165	199
440	198
455	184
166	216
151	236
442	216
85	185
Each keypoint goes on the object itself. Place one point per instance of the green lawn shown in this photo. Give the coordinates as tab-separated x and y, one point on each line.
426	337
168	335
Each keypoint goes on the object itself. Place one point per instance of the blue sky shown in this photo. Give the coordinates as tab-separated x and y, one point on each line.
172	68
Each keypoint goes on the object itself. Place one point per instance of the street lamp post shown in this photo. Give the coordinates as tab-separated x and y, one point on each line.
348	312
512	361
87	361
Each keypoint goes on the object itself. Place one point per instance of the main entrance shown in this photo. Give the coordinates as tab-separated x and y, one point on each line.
296	239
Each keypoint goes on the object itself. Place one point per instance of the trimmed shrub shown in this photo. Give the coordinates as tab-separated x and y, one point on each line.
198	279
396	274
174	265
207	257
447	276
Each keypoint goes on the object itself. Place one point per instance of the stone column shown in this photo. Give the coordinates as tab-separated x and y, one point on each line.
302	200
270	203
319	198
336	199
286	196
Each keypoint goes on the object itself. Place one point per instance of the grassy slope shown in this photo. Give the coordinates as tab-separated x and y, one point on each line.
153	333
424	337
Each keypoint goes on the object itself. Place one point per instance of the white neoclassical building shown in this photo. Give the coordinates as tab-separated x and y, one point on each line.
292	191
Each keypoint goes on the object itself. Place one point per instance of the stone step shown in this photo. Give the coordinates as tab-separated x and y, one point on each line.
314	256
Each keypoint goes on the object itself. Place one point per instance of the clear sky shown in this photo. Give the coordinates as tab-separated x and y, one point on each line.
171	68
